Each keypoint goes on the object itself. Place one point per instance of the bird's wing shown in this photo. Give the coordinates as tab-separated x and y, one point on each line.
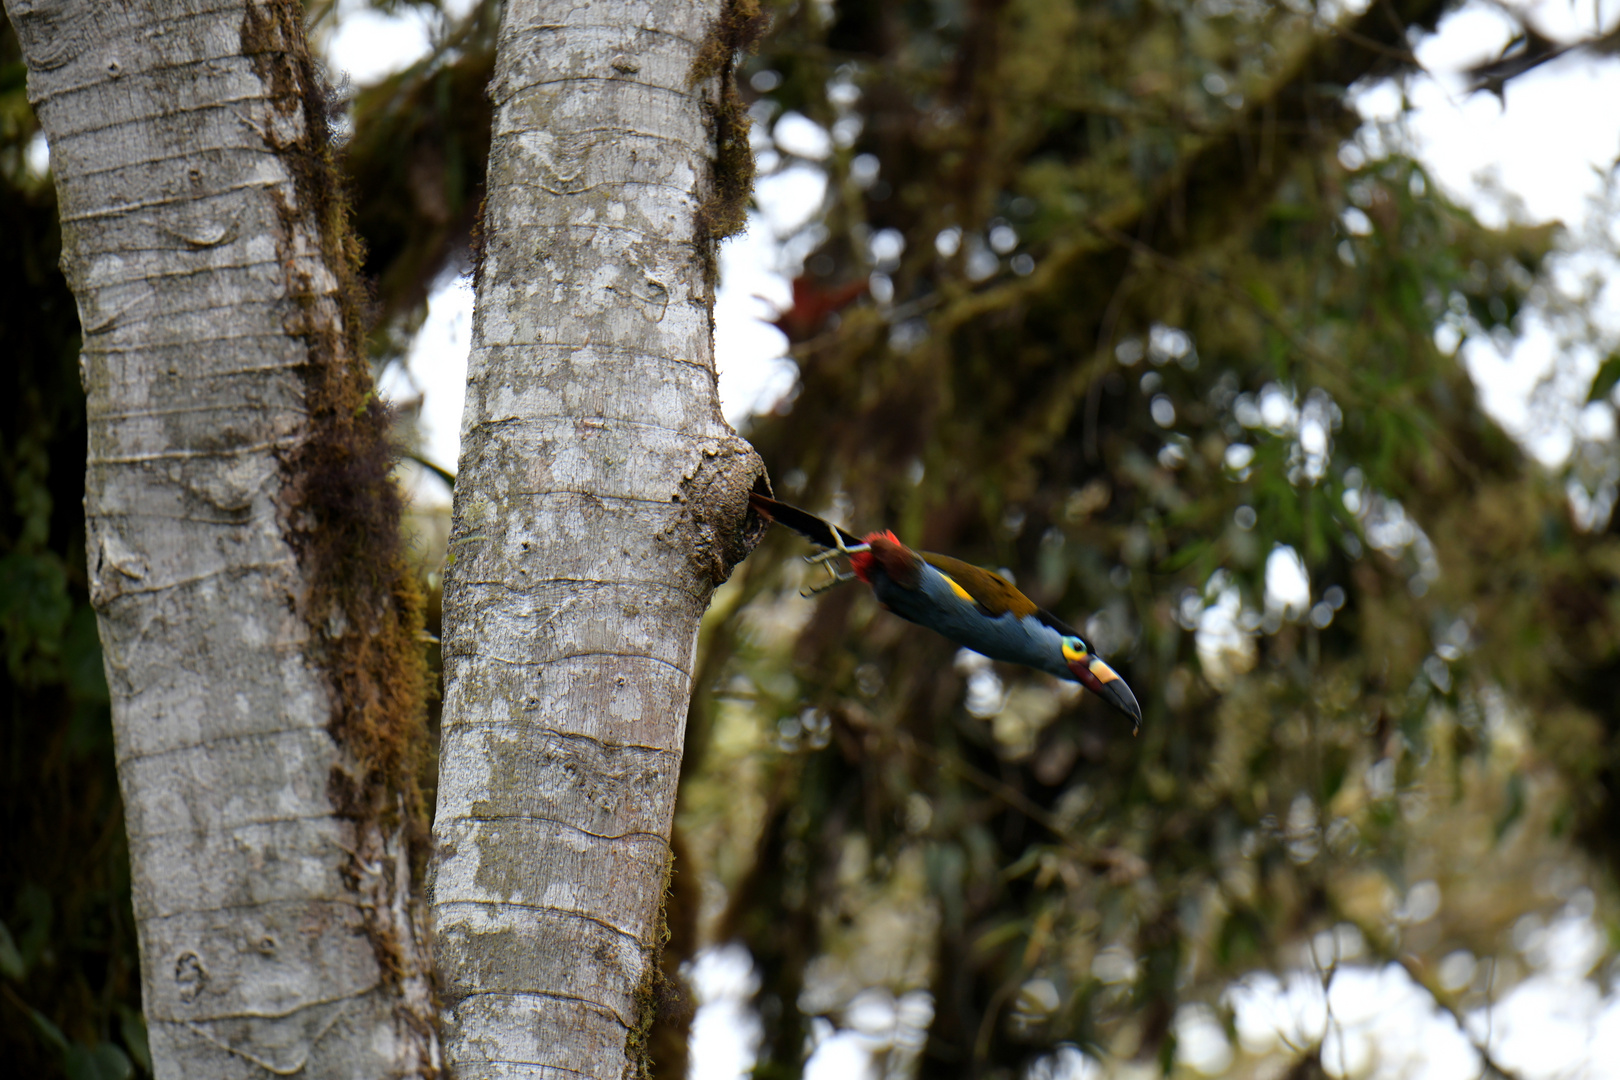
818	532
992	592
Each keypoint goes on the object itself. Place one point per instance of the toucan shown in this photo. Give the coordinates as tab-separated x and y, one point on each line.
972	607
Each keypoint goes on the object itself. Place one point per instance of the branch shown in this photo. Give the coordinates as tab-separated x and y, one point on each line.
1492	1067
440	471
1530	50
1383	950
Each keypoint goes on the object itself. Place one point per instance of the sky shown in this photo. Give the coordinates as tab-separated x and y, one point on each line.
1539	154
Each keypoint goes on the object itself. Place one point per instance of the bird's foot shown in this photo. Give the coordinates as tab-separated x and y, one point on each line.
824	559
833	582
835	552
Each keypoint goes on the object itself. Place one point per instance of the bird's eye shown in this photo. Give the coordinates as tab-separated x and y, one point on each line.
1074	649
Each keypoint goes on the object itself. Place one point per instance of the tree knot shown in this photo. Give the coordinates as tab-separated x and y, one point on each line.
720	530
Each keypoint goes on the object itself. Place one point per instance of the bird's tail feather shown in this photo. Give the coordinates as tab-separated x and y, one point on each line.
818	532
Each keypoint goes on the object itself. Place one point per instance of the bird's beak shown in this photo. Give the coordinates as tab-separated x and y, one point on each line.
1105	682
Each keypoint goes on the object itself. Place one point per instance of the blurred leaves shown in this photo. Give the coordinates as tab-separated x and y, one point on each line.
1164	312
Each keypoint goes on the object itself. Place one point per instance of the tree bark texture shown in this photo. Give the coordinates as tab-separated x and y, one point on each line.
600	499
256	625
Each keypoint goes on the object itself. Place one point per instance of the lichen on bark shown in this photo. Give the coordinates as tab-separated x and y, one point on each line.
342	508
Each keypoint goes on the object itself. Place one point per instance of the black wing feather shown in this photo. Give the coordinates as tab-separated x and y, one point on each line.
1046	618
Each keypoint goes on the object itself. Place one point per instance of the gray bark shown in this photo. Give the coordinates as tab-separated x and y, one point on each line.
276	934
600	499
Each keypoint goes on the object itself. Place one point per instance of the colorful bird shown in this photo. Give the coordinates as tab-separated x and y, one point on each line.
972	607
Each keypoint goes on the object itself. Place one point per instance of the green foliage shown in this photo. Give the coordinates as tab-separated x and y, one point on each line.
34	608
1213	333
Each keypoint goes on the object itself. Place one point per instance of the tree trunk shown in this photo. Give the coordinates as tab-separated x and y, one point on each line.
257	619
600	499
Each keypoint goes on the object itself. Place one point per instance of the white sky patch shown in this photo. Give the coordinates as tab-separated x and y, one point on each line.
725	1032
1544	142
1066	1063
38	155
1605	1042
839	1055
1377	1021
874	1022
749	352
1367	1016
1504	381
1200	1041
1225	646
1546	420
789	199
1537	154
801	136
756	272
370	45
437	361
1288	588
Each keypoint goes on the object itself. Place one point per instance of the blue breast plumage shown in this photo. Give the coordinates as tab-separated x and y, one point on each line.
940	604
